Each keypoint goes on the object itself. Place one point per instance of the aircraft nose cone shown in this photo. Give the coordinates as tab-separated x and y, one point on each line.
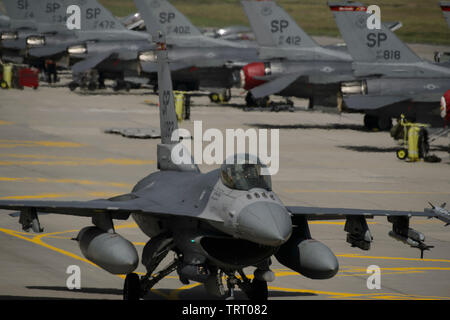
265	223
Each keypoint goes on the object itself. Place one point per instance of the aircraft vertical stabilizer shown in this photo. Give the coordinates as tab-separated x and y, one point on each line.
167	115
365	44
20	13
50	15
274	27
445	7
160	15
96	17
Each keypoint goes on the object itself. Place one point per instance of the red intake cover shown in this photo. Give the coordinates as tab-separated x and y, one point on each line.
249	72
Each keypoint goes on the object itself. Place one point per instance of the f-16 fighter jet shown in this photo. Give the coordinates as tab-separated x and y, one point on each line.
217	223
398	81
197	61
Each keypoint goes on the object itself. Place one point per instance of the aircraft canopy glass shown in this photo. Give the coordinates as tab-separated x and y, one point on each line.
245	176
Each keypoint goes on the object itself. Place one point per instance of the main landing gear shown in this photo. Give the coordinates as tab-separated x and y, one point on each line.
213	278
381	122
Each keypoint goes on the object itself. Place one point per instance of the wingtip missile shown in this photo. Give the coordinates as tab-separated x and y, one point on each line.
440	212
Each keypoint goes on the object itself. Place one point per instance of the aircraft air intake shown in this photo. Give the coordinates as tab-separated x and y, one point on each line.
251	71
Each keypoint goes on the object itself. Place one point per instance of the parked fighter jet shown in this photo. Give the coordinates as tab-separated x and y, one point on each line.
197	61
101	41
217	223
295	65
399	82
21	25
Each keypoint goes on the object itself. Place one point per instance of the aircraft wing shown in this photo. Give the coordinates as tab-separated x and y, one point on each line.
317	213
274	86
358	233
371	102
118	210
119	207
90	62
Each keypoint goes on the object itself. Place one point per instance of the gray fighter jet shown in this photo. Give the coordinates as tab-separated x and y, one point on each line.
102	42
197	61
295	65
398	81
21	25
217	223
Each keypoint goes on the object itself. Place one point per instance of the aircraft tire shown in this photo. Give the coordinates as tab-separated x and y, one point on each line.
370	121
73	85
311	103
132	287
214	97
384	123
92	86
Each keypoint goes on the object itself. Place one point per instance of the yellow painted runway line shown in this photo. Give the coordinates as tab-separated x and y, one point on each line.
341	223
402	269
96	194
338	295
38	240
3	122
67	181
347	295
9	159
174	294
126	225
91	162
4	143
357	256
364	191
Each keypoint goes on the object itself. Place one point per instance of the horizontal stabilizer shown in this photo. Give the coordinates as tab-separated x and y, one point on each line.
274	86
90	62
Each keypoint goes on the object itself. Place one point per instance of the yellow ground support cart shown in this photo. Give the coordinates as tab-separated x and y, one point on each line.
415	144
182	105
7	76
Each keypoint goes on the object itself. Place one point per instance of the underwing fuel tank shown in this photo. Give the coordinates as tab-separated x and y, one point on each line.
109	251
308	257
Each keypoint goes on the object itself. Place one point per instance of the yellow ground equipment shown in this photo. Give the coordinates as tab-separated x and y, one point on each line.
182	105
223	97
415	144
7	76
